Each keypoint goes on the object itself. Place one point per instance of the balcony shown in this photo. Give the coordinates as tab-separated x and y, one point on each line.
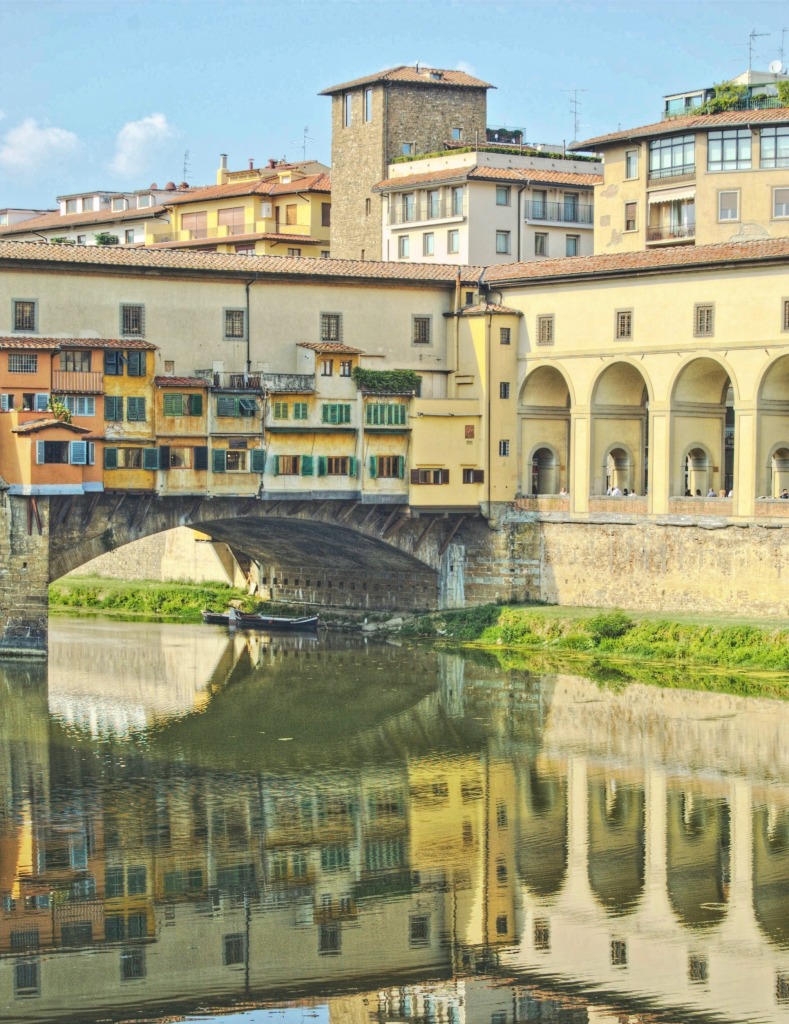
73	383
426	210
671	233
232	381
562	213
678	174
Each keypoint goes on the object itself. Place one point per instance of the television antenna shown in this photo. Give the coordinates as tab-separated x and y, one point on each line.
754	35
303	143
782	51
575	110
185	176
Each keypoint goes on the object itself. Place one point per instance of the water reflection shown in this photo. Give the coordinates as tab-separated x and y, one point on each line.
367	832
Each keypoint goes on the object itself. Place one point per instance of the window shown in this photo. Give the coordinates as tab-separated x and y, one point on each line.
433	198
234	949
232	219
368	207
781	202
368	104
144	201
136	880
703	320
281	410
335	413
774	151
698	968
630	216
196	224
71	206
729	150
327	367
671	157
385	414
182	405
542	934
420	330
785	320
347	109
27	979
299	410
245	249
291	212
501	871
419	930
345	367
503	244
24	939
457	201
324	254
407	206
541	243
545	330
429	476
75	362
118	205
82	239
286	465
501	924
128	235
539	204
133	963
502	819
572	245
25	318
136	361
80	405
180	457
331	327
387	467
230	406
631	163
403	247
337	465
618	953
409	149
473	476
503	195
728	206
235	321
624	324
504	448
132	320
135	409
428	243
453	241
505	335
294	252
325	215
504	389
329	939
51	453
457	134
233	460
113	882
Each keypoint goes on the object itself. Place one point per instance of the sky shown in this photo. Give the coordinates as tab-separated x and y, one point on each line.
118	94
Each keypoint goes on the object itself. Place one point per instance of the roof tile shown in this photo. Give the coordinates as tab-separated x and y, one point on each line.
32	426
53	344
75	220
413	75
330	346
484	173
180	382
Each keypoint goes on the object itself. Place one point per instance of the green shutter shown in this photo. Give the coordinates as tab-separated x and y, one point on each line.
225	406
346	414
247	407
195	405
113	407
299	410
306	465
321	465
373	464
400	466
164	456
219	460
135	409
352	466
110	458
257	460
325	413
201	457
276	465
135	364
173	405
150	458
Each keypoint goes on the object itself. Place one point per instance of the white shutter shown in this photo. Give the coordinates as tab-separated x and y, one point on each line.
79	453
39	452
91	453
41	403
4	404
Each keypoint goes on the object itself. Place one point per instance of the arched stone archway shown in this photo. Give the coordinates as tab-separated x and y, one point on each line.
698	857
616	843
620	429
772	473
702	429
771	871
545	432
542	839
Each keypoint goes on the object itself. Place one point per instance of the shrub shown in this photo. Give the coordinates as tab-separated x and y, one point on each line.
609	625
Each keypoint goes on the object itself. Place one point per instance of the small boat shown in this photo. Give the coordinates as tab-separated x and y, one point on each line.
244	620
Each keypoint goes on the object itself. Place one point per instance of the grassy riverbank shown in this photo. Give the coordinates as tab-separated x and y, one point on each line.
143	599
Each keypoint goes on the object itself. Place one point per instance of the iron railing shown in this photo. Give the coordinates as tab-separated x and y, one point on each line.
670	232
566	213
443	207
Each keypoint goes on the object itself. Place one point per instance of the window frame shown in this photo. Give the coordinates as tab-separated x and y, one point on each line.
504	448
504	389
228	313
453	241
631	156
404	247
572	241
739	163
623	317
780	216
631	215
503	195
347	109
503	238
126	314
540	243
421	323
728	192
785	315
330	327
780	157
368	104
70	356
704	320
15	304
428	243
545	329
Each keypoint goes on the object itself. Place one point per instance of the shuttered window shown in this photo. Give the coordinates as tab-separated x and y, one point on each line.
113	407
135	409
386	413
335	412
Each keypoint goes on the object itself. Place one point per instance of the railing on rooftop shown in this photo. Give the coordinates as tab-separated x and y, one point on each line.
565	213
232	381
751	103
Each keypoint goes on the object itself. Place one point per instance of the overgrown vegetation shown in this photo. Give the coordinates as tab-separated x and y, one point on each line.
487	148
387	382
168	602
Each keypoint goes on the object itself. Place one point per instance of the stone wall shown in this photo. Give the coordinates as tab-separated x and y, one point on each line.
731	570
425	117
24	575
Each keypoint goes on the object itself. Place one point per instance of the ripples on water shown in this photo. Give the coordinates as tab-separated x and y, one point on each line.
255	829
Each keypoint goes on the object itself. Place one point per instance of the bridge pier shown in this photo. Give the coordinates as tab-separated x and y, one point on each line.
24	575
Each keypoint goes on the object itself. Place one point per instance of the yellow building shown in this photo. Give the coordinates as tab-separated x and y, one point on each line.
694	179
131	458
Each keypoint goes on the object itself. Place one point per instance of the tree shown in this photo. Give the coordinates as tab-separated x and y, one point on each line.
105	238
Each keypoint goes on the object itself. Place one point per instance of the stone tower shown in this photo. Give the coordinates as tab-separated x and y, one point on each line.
406	110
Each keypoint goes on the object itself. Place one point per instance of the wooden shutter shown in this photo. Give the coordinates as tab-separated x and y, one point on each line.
400	466
135	409
110	458
444	476
218	460
352	466
78	453
113	407
414	476
247	407
225	406
164	456
135	364
195	405
150	458
373	464
307	465
173	405
257	460
321	465
276	465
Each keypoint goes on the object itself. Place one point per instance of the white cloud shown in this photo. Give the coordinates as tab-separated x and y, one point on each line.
136	143
30	145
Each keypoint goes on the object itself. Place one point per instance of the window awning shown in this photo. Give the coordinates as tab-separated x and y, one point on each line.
671	195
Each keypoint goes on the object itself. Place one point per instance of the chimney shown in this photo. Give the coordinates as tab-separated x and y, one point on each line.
251	163
272	162
223	161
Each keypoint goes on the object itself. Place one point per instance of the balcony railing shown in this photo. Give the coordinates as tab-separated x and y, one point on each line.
74	383
232	381
751	103
565	213
671	232
443	208
682	172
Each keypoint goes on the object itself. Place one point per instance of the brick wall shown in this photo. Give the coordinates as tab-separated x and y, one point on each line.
24	575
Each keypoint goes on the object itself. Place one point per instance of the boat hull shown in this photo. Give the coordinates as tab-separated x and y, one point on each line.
265	623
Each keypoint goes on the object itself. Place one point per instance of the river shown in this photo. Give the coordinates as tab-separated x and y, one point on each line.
253	829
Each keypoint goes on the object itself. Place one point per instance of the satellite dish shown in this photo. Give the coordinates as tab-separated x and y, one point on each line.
776	67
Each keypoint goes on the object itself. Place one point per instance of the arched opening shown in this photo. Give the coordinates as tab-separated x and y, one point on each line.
702	423
544	472
616	844
773	430
779	472
771	871
698	857
542	839
545	432
620	430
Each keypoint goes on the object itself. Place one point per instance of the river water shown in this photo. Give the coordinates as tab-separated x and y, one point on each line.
198	826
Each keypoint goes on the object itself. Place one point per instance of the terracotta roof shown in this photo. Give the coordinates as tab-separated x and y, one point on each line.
267	187
32	426
413	75
484	173
264	236
483	308
75	220
133	257
180	382
54	344
330	346
650	260
693	122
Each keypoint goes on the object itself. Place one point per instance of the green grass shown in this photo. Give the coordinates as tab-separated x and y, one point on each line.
145	599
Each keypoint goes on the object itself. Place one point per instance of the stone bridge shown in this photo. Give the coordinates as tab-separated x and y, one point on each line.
332	553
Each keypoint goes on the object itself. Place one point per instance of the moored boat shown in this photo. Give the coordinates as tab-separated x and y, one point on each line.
244	620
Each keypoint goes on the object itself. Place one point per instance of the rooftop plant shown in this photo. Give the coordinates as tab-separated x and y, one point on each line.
387	382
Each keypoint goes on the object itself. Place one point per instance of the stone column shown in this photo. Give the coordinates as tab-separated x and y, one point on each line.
580	448
746	439
24	575
659	483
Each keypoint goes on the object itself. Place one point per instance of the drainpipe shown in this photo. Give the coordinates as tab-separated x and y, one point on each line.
518	227
249	331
